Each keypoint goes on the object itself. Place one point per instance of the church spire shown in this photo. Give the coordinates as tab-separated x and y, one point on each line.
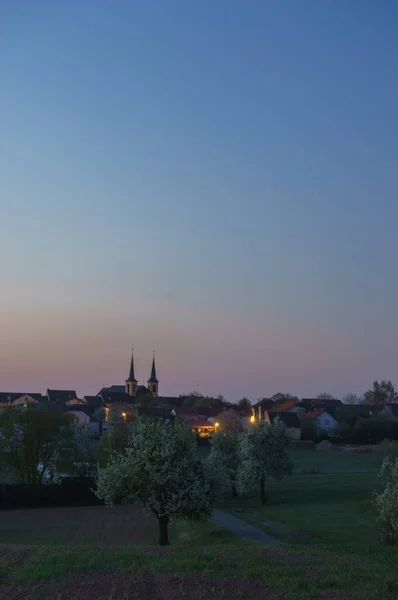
153	382
131	382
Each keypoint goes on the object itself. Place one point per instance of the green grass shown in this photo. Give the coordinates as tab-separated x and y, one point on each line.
338	462
239	571
100	526
334	505
327	518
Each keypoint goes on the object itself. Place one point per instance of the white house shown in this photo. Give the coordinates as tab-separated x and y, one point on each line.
324	421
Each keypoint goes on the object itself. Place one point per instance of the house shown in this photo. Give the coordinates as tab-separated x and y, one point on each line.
187	414
94	401
61	396
323	420
261	408
20	399
310	403
157	412
203	429
289	419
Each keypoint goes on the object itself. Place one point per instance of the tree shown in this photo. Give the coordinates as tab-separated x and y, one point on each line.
352	399
100	415
381	393
308	429
279	397
225	449
263	454
115	439
145	400
324	396
229	420
387	502
162	471
80	456
244	406
189	401
32	439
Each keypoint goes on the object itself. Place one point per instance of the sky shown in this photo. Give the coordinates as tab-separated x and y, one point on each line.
216	181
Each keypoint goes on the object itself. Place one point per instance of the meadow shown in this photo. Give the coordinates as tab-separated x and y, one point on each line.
323	513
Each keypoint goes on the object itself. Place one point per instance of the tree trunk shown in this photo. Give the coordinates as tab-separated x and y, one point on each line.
262	489
163	530
234	492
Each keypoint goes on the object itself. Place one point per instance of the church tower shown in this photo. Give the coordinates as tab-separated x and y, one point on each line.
131	382
153	383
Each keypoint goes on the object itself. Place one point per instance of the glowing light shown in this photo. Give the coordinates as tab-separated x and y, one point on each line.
216	424
252	419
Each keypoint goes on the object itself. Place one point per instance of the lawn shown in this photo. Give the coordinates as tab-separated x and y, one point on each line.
326	518
328	499
99	526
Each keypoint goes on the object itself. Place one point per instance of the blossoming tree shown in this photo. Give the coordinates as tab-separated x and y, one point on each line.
263	454
161	470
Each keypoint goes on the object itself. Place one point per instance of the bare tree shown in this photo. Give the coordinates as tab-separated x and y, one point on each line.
325	396
352	399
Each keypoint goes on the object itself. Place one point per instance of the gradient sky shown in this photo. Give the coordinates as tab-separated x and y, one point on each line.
213	179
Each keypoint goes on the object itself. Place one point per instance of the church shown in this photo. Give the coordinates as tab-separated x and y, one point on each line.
125	398
131	383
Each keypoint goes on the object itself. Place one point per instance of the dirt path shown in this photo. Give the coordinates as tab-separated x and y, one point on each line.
243	529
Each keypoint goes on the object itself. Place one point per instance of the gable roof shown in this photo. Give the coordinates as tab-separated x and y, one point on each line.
87	410
319	402
94	401
265	403
288	419
187	412
112	388
282	406
155	412
60	395
142	389
8	397
117	397
319	411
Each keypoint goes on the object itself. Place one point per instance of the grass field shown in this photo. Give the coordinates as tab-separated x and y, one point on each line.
326	519
334	504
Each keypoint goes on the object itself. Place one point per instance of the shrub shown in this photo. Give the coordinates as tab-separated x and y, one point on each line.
387	449
372	431
308	430
387	502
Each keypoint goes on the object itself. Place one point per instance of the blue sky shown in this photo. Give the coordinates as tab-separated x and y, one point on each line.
214	180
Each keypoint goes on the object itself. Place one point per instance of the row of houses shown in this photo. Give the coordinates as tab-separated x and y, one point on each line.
95	411
325	414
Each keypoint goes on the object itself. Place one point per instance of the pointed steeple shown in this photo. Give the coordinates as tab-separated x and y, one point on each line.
153	378
131	382
153	383
131	375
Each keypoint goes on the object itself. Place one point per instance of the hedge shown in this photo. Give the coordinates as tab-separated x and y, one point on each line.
70	492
